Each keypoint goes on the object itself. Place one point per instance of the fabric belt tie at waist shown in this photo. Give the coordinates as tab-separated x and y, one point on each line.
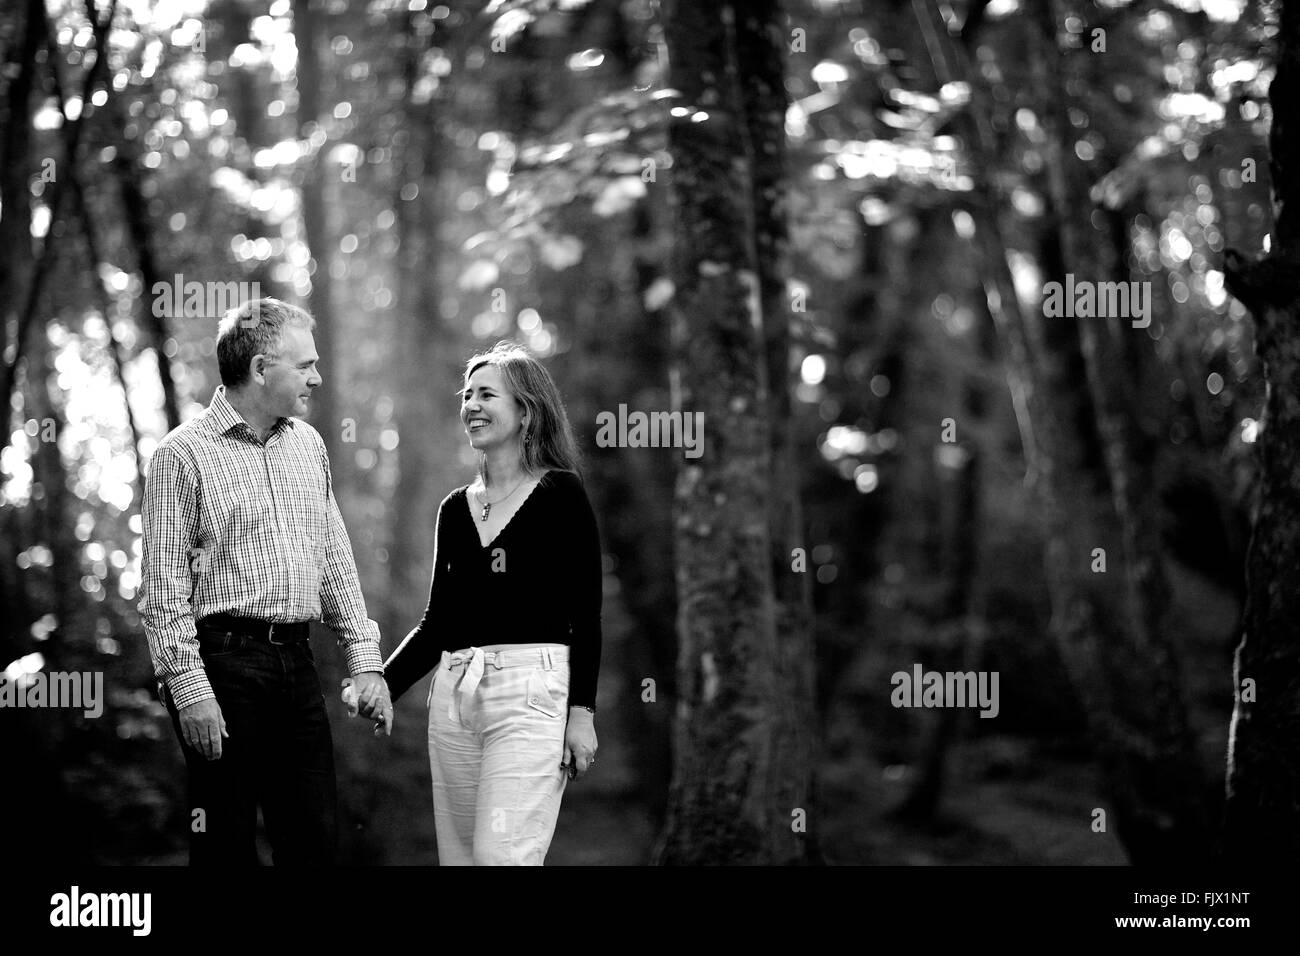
462	696
463	703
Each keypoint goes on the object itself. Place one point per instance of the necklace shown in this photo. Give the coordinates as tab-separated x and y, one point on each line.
487	505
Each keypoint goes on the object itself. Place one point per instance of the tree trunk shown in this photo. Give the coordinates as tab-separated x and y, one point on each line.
308	31
1168	820
15	224
129	173
1262	819
959	481
761	66
57	197
20	747
419	330
81	209
724	805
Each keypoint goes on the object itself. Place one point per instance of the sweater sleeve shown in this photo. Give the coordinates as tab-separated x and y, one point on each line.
421	650
582	591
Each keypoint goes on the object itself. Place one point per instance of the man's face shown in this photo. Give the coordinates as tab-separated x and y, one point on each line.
291	376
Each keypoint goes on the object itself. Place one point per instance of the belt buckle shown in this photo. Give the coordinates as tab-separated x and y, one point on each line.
270	636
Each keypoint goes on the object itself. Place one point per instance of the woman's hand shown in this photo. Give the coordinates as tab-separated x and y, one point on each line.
579	742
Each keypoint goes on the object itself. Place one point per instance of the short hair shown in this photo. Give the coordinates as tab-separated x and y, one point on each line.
255	327
550	441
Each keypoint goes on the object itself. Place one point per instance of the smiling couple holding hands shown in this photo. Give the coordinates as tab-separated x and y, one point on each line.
244	546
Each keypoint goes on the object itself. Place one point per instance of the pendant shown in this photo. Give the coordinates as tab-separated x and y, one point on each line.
487	507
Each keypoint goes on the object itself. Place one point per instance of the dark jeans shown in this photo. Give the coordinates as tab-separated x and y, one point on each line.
279	753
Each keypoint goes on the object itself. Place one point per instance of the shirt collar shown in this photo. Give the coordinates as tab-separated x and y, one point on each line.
224	417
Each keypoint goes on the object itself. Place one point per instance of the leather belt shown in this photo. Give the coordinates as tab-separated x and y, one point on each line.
273	632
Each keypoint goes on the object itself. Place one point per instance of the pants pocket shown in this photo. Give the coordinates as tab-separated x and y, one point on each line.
217	644
539	697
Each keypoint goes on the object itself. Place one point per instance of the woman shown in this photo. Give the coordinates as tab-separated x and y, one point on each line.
512	624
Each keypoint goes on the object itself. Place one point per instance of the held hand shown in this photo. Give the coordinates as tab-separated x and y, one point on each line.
371	699
349	696
203	726
579	743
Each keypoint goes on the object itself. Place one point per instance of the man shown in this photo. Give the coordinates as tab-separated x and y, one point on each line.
243	546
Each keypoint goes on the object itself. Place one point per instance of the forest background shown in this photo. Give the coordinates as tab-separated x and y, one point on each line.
832	226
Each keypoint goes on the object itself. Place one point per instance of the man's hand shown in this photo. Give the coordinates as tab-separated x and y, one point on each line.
579	742
202	726
373	700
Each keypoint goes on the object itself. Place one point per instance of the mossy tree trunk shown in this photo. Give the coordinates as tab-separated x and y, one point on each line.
740	777
1262	818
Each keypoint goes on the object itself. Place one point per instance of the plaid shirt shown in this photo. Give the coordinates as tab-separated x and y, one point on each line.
232	525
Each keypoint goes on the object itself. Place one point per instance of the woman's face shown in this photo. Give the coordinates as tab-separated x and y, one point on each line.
489	411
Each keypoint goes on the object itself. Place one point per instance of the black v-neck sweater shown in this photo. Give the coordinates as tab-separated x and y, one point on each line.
538	581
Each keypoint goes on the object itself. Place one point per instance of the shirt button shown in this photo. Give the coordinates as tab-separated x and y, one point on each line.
532	700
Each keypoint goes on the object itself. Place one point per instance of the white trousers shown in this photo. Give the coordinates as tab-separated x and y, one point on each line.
496	739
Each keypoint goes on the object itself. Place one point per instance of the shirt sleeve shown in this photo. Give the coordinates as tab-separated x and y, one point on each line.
421	649
170	518
582	593
343	609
